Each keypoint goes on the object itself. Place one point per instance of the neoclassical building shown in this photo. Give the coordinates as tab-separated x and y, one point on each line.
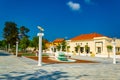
93	43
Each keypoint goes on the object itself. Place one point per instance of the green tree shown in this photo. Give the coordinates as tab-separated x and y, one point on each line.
87	48
109	49
24	43
35	42
10	33
58	47
78	49
64	44
0	43
44	41
31	43
3	44
23	31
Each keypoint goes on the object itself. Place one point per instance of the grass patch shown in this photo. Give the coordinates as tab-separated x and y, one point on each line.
45	55
28	54
33	54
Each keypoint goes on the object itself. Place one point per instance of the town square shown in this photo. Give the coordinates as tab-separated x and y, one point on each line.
22	68
59	40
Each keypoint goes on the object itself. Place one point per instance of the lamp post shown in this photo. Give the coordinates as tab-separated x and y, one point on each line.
114	51
16	48
17	41
40	34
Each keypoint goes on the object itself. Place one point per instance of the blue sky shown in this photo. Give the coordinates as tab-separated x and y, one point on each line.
63	18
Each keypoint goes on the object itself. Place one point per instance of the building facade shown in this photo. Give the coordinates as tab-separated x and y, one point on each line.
57	42
93	43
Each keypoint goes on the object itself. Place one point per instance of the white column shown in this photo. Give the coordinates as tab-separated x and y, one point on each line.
114	52
16	48
40	49
9	47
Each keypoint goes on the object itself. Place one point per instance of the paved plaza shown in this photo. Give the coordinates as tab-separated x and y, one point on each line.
21	68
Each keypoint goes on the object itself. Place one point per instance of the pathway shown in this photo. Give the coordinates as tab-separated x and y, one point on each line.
16	68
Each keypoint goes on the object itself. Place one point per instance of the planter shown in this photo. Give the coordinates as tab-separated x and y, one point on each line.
19	55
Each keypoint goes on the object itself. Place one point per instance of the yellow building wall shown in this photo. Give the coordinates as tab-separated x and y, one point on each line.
94	44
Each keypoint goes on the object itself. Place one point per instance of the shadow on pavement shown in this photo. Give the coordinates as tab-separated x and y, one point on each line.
4	54
37	75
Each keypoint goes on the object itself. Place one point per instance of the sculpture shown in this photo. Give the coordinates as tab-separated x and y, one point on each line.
40	28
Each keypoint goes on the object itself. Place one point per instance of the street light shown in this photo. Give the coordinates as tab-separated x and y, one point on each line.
17	45
114	51
40	34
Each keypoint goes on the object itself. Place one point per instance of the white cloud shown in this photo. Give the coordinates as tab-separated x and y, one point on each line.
74	6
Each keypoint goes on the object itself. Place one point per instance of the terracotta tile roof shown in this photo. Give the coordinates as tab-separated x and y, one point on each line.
86	36
58	40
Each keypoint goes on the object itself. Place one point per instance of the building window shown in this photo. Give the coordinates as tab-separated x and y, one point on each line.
100	44
98	49
76	49
81	49
88	49
118	50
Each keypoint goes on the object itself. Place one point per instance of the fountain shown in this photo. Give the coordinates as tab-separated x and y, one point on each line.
60	56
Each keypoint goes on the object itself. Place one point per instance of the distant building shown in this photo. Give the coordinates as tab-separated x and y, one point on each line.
55	43
58	41
92	43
